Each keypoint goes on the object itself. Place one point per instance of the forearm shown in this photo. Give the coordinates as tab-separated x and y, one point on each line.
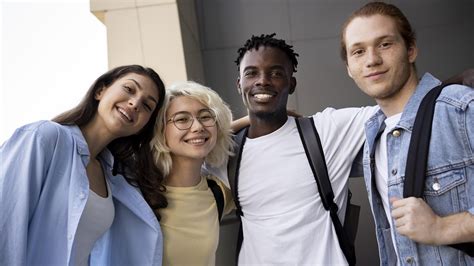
240	123
456	228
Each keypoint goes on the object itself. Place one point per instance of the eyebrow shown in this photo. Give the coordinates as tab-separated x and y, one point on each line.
272	67
140	87
199	111
378	39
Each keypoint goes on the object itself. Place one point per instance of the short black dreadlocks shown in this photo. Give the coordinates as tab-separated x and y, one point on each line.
267	40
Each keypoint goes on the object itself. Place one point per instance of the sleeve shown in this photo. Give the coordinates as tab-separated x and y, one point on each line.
342	135
23	167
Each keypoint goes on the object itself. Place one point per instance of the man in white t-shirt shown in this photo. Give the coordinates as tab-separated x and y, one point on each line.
284	221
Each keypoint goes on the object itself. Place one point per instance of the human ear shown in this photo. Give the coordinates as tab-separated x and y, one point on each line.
292	85
412	53
239	89
348	71
99	93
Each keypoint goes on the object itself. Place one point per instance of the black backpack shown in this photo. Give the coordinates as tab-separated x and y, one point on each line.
309	136
418	154
218	196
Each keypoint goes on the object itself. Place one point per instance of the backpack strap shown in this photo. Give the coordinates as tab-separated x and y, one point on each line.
417	158
314	152
218	196
233	175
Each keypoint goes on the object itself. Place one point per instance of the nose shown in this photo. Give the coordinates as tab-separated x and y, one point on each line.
134	103
196	126
263	79
373	58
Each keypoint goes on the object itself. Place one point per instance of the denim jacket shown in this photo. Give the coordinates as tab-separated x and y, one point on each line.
449	185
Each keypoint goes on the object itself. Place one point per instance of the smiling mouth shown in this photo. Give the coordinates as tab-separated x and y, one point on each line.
125	115
263	97
376	74
197	141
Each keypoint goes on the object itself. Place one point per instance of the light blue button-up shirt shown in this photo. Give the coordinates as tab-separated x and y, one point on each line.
450	166
43	191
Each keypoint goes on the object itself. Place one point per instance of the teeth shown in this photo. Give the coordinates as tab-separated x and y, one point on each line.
125	114
196	141
262	96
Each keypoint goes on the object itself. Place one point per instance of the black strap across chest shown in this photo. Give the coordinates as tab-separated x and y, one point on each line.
417	158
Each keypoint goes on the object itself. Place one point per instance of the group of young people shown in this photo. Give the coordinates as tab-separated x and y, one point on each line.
118	179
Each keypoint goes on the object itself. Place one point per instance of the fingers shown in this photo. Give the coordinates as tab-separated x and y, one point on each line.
402	207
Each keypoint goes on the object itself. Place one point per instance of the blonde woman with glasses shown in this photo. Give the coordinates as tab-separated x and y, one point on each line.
193	127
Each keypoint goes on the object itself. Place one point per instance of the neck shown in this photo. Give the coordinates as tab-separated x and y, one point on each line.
261	126
184	172
95	140
396	103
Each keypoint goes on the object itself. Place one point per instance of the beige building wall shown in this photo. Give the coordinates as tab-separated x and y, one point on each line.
151	33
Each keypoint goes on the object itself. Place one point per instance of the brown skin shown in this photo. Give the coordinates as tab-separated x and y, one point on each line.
265	82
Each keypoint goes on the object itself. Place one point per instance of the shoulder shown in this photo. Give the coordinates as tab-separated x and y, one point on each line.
44	135
43	127
457	95
330	114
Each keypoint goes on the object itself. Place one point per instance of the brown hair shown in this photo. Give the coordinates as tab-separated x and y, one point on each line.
384	9
132	154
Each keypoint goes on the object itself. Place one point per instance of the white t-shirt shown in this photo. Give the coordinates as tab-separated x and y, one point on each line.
284	221
96	219
381	170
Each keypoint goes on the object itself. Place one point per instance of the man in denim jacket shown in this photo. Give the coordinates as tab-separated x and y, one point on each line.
379	48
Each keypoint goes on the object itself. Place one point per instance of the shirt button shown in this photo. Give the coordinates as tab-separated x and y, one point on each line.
82	196
436	185
396	133
409	260
394	171
69	237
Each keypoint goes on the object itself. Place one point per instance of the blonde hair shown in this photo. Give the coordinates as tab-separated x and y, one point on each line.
210	99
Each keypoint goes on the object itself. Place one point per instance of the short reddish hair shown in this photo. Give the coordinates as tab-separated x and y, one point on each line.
384	9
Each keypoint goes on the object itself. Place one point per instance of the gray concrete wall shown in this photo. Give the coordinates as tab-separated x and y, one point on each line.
445	41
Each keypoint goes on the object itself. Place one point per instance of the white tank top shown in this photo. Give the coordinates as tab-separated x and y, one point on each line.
96	219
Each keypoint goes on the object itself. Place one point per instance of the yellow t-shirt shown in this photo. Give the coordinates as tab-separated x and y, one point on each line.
189	224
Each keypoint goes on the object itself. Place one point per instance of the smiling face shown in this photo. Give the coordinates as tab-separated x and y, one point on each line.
265	81
378	59
126	105
196	142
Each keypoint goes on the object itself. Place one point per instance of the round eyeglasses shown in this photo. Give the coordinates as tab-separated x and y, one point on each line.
185	120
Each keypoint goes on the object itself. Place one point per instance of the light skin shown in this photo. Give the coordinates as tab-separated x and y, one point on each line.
189	147
265	81
380	63
124	109
417	221
382	66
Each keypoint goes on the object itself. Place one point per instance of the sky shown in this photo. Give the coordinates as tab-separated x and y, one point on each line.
51	52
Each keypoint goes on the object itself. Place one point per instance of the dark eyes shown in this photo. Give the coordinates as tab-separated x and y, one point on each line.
130	90
274	73
385	45
127	88
250	73
182	120
147	107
